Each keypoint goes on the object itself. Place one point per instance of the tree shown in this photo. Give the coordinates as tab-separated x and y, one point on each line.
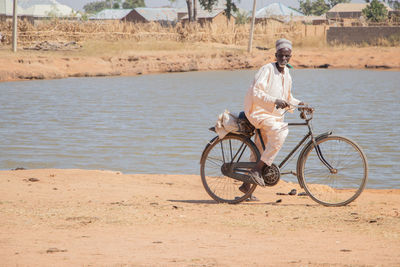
333	3
306	7
128	4
242	17
229	10
116	4
95	7
208	5
318	7
375	11
98	6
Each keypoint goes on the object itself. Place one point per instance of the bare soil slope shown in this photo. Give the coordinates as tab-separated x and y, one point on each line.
27	65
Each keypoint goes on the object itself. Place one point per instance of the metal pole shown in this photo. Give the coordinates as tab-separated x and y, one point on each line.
14	42
253	18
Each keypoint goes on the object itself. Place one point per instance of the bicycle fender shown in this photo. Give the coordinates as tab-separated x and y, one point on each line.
208	144
212	141
323	135
319	137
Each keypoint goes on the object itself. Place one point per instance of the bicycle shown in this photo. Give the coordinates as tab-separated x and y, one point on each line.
331	169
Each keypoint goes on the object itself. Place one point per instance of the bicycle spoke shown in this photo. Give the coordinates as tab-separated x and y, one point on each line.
346	180
241	154
240	148
222	150
230	147
228	150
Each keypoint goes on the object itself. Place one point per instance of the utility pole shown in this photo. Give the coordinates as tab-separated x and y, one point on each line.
253	18
195	10
189	7
14	37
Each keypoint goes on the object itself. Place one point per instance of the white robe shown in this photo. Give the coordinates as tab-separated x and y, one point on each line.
268	85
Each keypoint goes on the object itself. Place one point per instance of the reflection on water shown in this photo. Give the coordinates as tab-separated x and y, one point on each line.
158	123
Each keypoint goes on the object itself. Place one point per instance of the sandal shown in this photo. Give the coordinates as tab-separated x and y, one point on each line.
256	178
252	198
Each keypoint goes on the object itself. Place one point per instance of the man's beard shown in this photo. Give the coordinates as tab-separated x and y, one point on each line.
282	63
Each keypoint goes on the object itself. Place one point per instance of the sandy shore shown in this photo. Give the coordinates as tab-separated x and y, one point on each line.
28	65
104	218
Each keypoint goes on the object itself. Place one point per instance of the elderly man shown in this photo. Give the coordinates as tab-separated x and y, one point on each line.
265	103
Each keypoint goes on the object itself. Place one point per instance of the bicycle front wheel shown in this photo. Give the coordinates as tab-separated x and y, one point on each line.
345	178
232	148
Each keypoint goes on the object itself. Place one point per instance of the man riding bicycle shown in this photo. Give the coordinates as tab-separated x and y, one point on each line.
265	103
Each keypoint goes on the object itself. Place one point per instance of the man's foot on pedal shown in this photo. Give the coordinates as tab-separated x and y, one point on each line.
256	177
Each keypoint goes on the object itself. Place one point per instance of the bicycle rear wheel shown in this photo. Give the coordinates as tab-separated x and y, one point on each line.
221	188
345	182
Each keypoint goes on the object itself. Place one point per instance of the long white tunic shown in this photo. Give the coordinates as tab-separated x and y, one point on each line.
268	85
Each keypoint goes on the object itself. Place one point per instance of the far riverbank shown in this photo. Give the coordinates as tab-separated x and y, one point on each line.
122	61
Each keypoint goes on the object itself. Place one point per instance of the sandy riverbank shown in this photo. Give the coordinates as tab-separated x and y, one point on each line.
98	218
92	62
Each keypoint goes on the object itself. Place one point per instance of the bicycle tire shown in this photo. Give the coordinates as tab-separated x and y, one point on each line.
221	188
333	189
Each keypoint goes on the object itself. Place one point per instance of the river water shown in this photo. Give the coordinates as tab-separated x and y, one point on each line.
158	123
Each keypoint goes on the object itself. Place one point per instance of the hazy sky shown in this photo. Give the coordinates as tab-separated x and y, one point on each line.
245	4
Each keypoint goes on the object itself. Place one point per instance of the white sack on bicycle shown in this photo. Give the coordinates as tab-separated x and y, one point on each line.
226	123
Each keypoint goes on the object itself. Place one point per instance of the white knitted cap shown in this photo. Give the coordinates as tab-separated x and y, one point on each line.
283	43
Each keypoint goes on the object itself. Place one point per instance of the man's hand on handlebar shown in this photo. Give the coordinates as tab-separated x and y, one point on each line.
304	107
279	103
305	111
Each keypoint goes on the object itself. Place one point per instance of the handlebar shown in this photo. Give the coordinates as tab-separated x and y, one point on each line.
306	112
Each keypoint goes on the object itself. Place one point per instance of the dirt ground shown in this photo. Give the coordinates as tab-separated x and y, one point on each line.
53	217
32	65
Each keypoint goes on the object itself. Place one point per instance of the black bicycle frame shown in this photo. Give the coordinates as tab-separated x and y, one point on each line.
238	170
307	136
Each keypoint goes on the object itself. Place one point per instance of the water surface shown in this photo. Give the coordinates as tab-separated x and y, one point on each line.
158	123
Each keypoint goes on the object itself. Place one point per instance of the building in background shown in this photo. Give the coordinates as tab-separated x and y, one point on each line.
36	10
110	15
216	16
51	11
6	9
164	16
348	11
279	12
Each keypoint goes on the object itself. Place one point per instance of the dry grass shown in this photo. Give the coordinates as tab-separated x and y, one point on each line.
264	34
119	37
315	42
95	46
